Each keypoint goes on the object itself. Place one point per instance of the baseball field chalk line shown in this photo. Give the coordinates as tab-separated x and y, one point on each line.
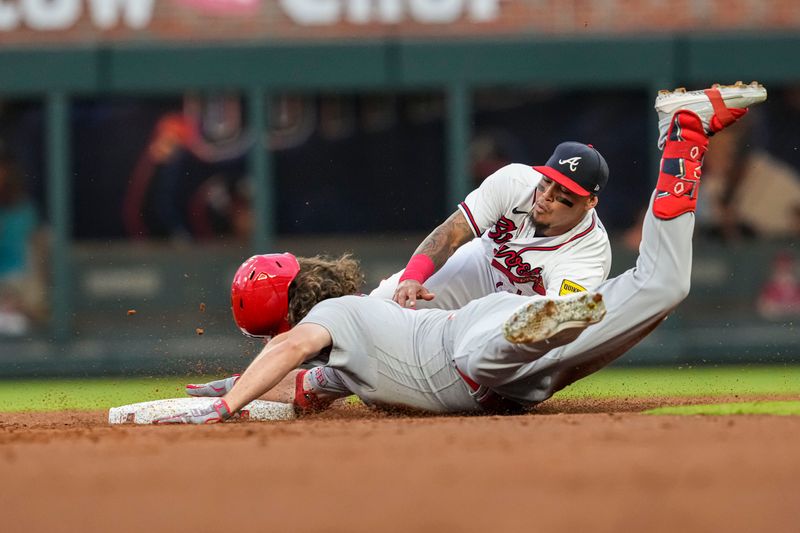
146	412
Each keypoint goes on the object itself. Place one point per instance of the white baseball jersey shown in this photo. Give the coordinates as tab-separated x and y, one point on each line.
497	211
507	256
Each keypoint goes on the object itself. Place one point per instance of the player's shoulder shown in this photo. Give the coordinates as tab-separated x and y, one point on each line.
521	168
588	250
335	311
349	300
601	231
515	171
598	234
518	171
590	236
515	175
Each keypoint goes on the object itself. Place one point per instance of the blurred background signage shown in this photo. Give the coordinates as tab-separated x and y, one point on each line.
38	21
163	17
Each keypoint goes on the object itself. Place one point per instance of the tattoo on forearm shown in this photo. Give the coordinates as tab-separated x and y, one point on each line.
445	239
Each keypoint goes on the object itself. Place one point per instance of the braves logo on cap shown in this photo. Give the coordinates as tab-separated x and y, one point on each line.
573	163
588	171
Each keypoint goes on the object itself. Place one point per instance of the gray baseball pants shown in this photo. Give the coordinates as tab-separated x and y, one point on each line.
416	358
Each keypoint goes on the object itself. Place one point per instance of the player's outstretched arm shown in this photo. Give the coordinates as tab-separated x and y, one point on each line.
429	256
267	373
275	361
221	387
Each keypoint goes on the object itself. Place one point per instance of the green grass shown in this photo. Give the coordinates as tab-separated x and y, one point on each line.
739	408
86	394
92	394
655	382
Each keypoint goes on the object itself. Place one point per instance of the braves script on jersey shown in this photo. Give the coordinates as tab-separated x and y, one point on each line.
522	263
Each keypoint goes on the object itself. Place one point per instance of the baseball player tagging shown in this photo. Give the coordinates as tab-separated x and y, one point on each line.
507	350
534	231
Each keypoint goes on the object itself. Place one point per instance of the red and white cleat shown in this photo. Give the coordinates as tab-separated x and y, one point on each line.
717	107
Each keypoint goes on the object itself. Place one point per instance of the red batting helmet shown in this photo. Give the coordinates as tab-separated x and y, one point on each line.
260	294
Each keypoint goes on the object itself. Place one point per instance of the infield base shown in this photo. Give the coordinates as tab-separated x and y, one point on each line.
147	412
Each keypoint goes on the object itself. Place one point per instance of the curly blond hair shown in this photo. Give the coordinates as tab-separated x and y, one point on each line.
322	277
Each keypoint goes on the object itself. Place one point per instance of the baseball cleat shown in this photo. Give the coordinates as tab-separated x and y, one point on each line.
717	107
555	321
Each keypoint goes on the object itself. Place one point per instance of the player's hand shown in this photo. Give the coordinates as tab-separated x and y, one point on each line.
219	387
409	291
215	412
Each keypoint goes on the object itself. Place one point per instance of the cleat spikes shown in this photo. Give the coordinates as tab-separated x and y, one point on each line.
554	321
736	98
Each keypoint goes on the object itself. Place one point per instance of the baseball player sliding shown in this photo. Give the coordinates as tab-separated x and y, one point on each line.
529	230
525	230
497	353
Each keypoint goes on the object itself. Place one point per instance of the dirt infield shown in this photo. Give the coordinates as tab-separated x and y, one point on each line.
572	466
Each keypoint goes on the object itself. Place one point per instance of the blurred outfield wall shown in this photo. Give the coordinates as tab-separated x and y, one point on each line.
59	52
150	309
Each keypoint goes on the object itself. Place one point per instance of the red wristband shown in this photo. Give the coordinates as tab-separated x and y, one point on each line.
419	268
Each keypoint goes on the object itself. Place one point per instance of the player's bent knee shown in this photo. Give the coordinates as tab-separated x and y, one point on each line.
676	291
662	296
683	291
